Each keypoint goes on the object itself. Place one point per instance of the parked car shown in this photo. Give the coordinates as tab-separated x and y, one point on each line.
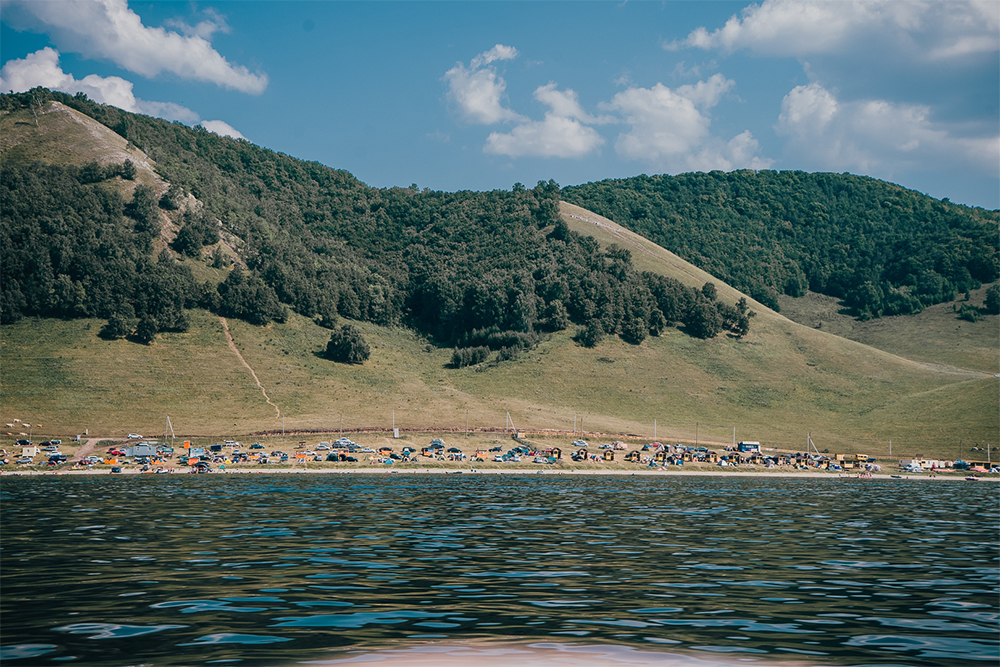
116	470
256	445
134	436
25	459
57	459
322	447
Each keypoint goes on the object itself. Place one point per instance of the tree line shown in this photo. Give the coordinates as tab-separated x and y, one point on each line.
880	248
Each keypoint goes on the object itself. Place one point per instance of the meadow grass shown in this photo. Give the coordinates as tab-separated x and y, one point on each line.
936	335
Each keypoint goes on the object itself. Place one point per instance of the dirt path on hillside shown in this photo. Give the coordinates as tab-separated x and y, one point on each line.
86	450
232	346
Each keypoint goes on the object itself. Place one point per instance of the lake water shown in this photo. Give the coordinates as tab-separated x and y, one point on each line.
497	570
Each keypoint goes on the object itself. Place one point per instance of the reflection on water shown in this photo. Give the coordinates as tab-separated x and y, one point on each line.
497	570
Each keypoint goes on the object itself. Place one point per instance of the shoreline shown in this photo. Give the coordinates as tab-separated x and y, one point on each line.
498	471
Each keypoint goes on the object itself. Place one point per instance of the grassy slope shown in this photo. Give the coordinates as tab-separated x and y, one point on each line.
936	335
66	137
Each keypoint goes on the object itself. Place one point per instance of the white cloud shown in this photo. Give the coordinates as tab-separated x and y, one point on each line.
707	94
42	68
566	104
875	137
167	111
924	29
740	152
204	29
478	95
663	122
564	131
555	136
109	29
222	128
670	129
498	52
478	91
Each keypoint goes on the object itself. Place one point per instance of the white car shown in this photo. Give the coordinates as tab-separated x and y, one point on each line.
134	436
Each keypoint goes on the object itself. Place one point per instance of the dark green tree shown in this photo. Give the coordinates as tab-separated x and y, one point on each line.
469	356
128	170
992	304
347	346
591	334
555	317
703	319
144	211
118	326
146	329
634	331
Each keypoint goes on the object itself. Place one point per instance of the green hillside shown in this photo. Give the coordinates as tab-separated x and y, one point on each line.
882	249
936	335
418	274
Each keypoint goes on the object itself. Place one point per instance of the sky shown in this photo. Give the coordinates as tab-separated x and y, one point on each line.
483	95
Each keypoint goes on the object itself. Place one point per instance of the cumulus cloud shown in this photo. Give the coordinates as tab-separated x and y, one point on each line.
562	133
498	52
801	28
566	104
42	68
478	91
876	137
671	128
223	128
663	122
108	29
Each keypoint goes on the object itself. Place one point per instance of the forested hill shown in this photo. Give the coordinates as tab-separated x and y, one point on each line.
484	272
881	248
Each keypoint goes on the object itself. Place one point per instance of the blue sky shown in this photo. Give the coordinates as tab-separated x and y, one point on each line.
482	95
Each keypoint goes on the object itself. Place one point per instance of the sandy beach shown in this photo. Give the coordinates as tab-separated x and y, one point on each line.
386	470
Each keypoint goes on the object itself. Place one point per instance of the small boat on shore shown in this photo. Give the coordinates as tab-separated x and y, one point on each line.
971	478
